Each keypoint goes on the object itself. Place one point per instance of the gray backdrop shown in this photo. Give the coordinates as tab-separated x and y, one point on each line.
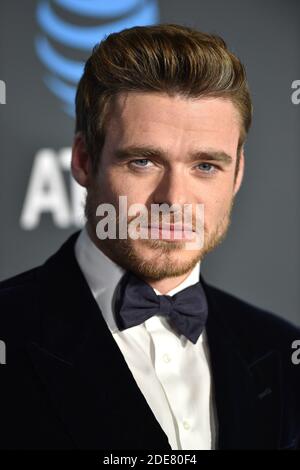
259	261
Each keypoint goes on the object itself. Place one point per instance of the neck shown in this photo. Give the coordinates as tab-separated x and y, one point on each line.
167	284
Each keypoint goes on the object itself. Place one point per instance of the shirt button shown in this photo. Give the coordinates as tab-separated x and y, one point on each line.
166	358
186	425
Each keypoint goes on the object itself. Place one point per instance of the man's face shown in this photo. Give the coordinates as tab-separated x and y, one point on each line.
161	149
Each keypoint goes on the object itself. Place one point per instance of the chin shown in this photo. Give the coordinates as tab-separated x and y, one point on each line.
176	257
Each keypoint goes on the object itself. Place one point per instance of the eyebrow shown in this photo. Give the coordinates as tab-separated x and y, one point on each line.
154	152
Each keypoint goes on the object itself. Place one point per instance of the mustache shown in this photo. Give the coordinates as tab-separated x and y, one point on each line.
178	223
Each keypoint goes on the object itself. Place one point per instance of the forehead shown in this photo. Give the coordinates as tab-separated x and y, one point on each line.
157	118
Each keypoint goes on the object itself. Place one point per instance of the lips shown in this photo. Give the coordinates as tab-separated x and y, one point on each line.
172	227
172	231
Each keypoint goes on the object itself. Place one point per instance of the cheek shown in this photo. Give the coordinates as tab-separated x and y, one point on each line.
216	209
119	184
110	185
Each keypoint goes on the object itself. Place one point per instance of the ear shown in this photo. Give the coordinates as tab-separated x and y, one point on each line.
81	164
240	174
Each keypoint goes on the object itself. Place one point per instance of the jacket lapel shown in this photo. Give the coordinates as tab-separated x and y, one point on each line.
82	368
246	387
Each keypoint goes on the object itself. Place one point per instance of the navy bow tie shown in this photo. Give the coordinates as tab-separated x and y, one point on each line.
136	301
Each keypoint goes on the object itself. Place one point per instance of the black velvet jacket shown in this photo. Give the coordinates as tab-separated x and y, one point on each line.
66	384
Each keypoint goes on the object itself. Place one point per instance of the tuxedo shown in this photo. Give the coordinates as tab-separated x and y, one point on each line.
66	385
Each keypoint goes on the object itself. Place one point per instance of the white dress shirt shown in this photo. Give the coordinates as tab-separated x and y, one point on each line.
172	373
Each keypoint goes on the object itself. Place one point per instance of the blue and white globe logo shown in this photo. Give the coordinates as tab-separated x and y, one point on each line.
69	29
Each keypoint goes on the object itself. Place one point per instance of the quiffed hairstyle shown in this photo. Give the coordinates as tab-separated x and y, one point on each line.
165	58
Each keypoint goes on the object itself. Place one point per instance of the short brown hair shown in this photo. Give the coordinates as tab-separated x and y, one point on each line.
165	58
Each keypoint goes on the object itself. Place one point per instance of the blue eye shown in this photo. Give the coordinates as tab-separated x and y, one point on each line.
208	167
140	160
140	163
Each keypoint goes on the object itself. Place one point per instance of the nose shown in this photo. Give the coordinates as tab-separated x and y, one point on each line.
172	189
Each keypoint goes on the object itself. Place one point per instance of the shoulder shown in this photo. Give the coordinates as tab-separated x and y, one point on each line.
17	289
258	329
21	287
20	279
18	306
24	297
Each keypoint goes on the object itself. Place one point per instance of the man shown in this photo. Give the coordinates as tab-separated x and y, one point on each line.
118	342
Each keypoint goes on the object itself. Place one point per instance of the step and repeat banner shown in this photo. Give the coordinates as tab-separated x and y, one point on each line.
43	46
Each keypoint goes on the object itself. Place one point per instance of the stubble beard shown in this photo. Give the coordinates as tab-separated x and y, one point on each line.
164	261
